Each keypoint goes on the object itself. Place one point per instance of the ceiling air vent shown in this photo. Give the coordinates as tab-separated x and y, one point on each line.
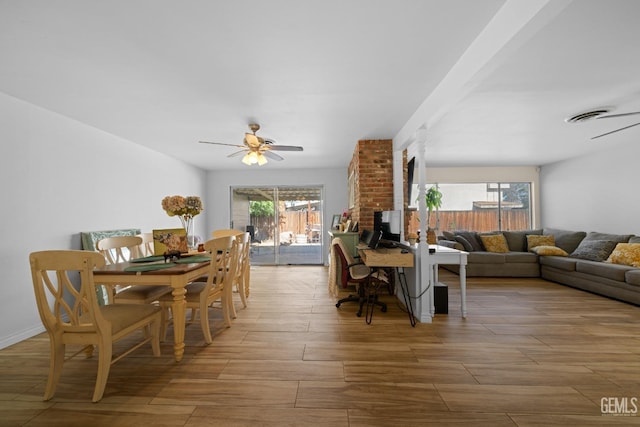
588	115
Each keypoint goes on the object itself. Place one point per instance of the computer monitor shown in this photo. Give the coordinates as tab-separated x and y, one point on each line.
375	239
389	222
365	237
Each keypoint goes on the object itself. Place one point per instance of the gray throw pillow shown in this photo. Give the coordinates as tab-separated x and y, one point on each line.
594	250
465	243
617	238
449	235
473	239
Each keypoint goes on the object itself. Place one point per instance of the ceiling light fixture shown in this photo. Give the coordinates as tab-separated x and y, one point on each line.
253	157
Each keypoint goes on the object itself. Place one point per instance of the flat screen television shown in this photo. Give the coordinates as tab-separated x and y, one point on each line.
410	167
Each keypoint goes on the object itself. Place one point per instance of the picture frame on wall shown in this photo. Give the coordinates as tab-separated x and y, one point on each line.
335	224
352	190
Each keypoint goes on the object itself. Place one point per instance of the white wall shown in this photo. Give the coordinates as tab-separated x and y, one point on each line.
598	192
61	177
219	184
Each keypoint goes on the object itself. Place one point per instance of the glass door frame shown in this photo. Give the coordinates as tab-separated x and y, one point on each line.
297	252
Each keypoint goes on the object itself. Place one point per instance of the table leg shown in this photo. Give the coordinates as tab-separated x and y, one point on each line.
178	309
463	289
405	292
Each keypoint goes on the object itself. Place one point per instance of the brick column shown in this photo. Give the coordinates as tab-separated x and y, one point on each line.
372	166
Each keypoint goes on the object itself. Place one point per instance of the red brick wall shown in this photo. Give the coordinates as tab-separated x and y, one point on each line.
372	166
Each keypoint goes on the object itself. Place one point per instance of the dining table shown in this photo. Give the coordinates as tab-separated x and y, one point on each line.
153	271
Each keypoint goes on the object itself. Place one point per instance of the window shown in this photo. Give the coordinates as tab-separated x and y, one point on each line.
480	207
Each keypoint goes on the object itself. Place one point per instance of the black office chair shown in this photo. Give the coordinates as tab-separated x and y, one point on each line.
352	271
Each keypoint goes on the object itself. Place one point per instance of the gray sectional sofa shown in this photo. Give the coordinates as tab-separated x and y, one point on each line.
584	266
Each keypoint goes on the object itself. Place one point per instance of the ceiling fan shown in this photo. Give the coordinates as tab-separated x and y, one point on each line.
602	114
257	149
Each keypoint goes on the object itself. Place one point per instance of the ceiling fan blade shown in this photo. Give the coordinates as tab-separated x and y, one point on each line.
609	116
272	156
617	130
221	143
251	140
237	153
285	148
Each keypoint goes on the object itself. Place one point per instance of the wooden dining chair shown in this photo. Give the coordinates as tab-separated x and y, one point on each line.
226	232
146	248
218	286
243	268
121	249
71	315
241	277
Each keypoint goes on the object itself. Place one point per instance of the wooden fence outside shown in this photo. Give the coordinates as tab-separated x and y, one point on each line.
297	222
302	222
514	219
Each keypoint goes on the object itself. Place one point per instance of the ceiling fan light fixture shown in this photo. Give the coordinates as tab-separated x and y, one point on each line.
253	157
247	159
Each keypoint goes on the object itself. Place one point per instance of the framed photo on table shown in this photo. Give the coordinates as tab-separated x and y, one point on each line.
335	224
169	239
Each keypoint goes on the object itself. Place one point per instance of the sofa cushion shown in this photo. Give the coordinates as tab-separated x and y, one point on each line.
541	240
603	269
617	238
594	250
632	277
562	263
634	239
451	244
483	257
517	240
449	235
520	257
472	238
545	250
465	243
494	243
566	239
626	254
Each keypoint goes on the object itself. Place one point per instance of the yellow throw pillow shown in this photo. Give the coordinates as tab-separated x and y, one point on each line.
626	254
534	240
545	250
494	243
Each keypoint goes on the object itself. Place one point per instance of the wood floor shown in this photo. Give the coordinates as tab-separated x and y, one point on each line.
530	353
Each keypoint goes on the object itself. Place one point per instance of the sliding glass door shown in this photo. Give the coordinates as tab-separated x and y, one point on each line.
285	223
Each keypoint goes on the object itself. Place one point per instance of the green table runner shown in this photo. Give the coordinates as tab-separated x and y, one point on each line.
194	258
152	258
150	267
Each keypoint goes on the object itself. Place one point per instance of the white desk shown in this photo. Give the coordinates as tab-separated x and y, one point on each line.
421	279
445	255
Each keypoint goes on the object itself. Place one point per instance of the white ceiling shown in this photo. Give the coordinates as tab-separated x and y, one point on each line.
491	80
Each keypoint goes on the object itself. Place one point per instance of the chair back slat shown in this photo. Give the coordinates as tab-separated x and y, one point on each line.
225	232
146	248
119	248
74	305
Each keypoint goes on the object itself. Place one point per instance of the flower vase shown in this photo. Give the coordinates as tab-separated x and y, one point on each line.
187	223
